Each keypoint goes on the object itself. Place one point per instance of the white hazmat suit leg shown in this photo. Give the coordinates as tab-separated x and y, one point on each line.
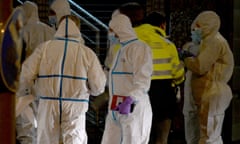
72	129
190	112
25	130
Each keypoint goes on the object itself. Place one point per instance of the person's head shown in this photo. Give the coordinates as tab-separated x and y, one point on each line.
30	11
52	18
134	11
157	19
60	8
74	18
112	37
121	26
205	24
115	12
68	27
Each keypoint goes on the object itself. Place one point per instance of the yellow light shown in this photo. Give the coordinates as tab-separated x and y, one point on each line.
2	30
1	27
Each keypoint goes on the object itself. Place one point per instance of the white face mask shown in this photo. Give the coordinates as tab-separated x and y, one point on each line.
52	20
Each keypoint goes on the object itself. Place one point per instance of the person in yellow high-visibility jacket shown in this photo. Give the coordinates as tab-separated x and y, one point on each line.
168	72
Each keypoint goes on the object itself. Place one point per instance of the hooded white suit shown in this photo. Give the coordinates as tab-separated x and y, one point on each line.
130	75
66	73
212	69
34	33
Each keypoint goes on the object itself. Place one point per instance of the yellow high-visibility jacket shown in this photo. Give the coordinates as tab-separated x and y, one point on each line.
166	63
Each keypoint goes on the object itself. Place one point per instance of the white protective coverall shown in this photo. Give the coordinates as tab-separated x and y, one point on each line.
34	32
212	69
130	75
191	121
66	73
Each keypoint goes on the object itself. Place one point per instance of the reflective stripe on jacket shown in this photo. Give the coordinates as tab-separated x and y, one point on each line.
166	64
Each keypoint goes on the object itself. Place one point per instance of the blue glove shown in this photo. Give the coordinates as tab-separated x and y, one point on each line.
126	106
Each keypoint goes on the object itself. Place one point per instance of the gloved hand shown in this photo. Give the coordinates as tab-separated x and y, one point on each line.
125	106
184	54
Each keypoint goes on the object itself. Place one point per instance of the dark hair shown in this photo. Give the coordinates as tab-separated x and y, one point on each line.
134	11
155	18
74	18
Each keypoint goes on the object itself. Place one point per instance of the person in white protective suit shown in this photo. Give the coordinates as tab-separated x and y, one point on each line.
34	32
135	12
129	82
61	8
191	122
65	73
211	70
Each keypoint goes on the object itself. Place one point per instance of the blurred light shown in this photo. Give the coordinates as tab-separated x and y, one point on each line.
1	27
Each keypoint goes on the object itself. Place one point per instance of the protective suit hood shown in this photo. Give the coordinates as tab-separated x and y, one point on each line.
115	12
68	29
30	12
61	8
122	26
208	21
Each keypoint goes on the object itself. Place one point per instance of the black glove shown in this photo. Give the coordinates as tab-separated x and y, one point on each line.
184	54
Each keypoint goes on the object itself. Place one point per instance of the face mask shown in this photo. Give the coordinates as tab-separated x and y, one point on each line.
52	20
196	36
112	38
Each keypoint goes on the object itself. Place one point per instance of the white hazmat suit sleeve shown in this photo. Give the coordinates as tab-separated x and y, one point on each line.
143	69
29	72
96	80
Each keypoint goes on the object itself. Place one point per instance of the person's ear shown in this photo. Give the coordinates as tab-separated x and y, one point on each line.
163	26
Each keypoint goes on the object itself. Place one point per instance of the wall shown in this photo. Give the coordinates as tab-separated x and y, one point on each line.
155	5
7	100
236	78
